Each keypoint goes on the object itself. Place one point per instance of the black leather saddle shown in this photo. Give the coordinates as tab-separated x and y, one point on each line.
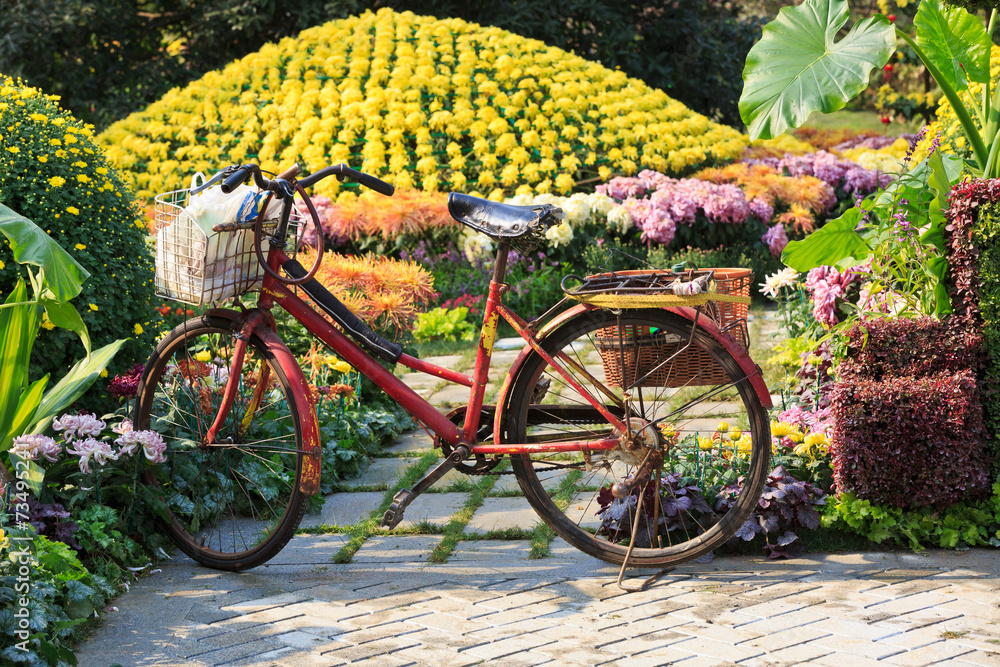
502	222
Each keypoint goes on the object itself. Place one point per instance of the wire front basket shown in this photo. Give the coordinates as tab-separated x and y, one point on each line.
196	267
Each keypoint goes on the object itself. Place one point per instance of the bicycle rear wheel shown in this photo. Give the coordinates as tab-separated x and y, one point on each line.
232	505
692	474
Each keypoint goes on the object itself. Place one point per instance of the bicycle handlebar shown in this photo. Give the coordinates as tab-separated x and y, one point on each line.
236	175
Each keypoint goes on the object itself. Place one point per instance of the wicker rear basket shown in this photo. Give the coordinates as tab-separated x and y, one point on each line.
643	349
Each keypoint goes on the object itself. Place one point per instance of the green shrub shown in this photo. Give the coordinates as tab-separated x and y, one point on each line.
443	324
52	172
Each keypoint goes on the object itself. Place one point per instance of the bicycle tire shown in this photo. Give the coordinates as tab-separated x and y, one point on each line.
569	498
234	505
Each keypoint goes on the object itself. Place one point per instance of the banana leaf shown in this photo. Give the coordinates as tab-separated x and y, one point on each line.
62	277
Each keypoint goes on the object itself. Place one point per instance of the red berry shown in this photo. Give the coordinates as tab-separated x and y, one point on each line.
892	18
885	120
888	68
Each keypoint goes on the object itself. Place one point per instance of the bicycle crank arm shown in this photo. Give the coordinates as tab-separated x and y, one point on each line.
394	514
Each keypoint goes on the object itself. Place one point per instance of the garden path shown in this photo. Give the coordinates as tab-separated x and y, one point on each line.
490	603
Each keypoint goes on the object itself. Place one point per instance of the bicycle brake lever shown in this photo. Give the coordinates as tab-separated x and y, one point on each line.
284	189
221	175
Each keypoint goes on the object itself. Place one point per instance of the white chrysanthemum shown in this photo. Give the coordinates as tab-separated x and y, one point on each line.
773	283
548	198
521	200
476	245
560	234
577	209
620	219
600	204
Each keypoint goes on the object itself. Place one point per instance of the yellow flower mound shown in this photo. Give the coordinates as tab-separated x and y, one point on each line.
422	103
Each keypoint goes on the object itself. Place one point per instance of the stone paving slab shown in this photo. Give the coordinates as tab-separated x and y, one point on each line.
381	472
414	441
344	509
502	514
435	508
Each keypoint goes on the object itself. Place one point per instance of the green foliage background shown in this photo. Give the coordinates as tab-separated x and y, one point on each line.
106	58
106	234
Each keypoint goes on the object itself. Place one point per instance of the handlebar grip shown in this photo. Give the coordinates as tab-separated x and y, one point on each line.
375	184
238	178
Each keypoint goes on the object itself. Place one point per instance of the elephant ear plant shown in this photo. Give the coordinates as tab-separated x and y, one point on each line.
28	407
799	67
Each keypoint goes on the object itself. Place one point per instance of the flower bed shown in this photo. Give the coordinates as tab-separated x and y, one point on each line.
420	102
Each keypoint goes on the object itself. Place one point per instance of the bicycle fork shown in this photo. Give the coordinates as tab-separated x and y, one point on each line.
240	341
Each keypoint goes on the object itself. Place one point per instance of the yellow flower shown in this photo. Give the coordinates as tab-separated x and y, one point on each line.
47	323
14	149
43	158
57	181
781	429
342	367
816	439
80	246
83	178
735	433
705	443
137	329
204	356
104	373
75	211
92	306
722	427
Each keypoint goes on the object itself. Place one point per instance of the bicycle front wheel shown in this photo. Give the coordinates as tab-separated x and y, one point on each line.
234	504
688	471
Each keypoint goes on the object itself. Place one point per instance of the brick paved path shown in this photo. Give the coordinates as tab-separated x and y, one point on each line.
489	603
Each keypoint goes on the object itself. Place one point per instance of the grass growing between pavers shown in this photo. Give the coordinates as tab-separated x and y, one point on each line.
453	530
365	528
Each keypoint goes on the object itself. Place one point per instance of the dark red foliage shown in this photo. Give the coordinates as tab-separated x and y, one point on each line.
882	348
910	442
964	203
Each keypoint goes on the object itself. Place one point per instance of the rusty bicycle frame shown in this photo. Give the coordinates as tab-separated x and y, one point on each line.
274	291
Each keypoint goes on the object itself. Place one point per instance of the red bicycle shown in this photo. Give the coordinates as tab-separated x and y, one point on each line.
635	424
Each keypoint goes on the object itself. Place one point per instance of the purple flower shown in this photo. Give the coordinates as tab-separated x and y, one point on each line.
77	426
776	239
34	447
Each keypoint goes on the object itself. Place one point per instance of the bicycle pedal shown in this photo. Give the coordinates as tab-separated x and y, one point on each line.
394	514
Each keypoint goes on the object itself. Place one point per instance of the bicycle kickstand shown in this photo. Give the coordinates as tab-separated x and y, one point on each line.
394	514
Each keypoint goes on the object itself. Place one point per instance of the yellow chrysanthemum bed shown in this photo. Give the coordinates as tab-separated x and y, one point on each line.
422	103
946	127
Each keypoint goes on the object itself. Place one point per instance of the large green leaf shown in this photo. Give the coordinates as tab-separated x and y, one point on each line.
64	314
63	276
797	67
18	328
953	40
943	174
829	245
73	385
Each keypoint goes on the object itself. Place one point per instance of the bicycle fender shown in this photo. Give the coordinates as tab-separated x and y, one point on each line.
312	443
